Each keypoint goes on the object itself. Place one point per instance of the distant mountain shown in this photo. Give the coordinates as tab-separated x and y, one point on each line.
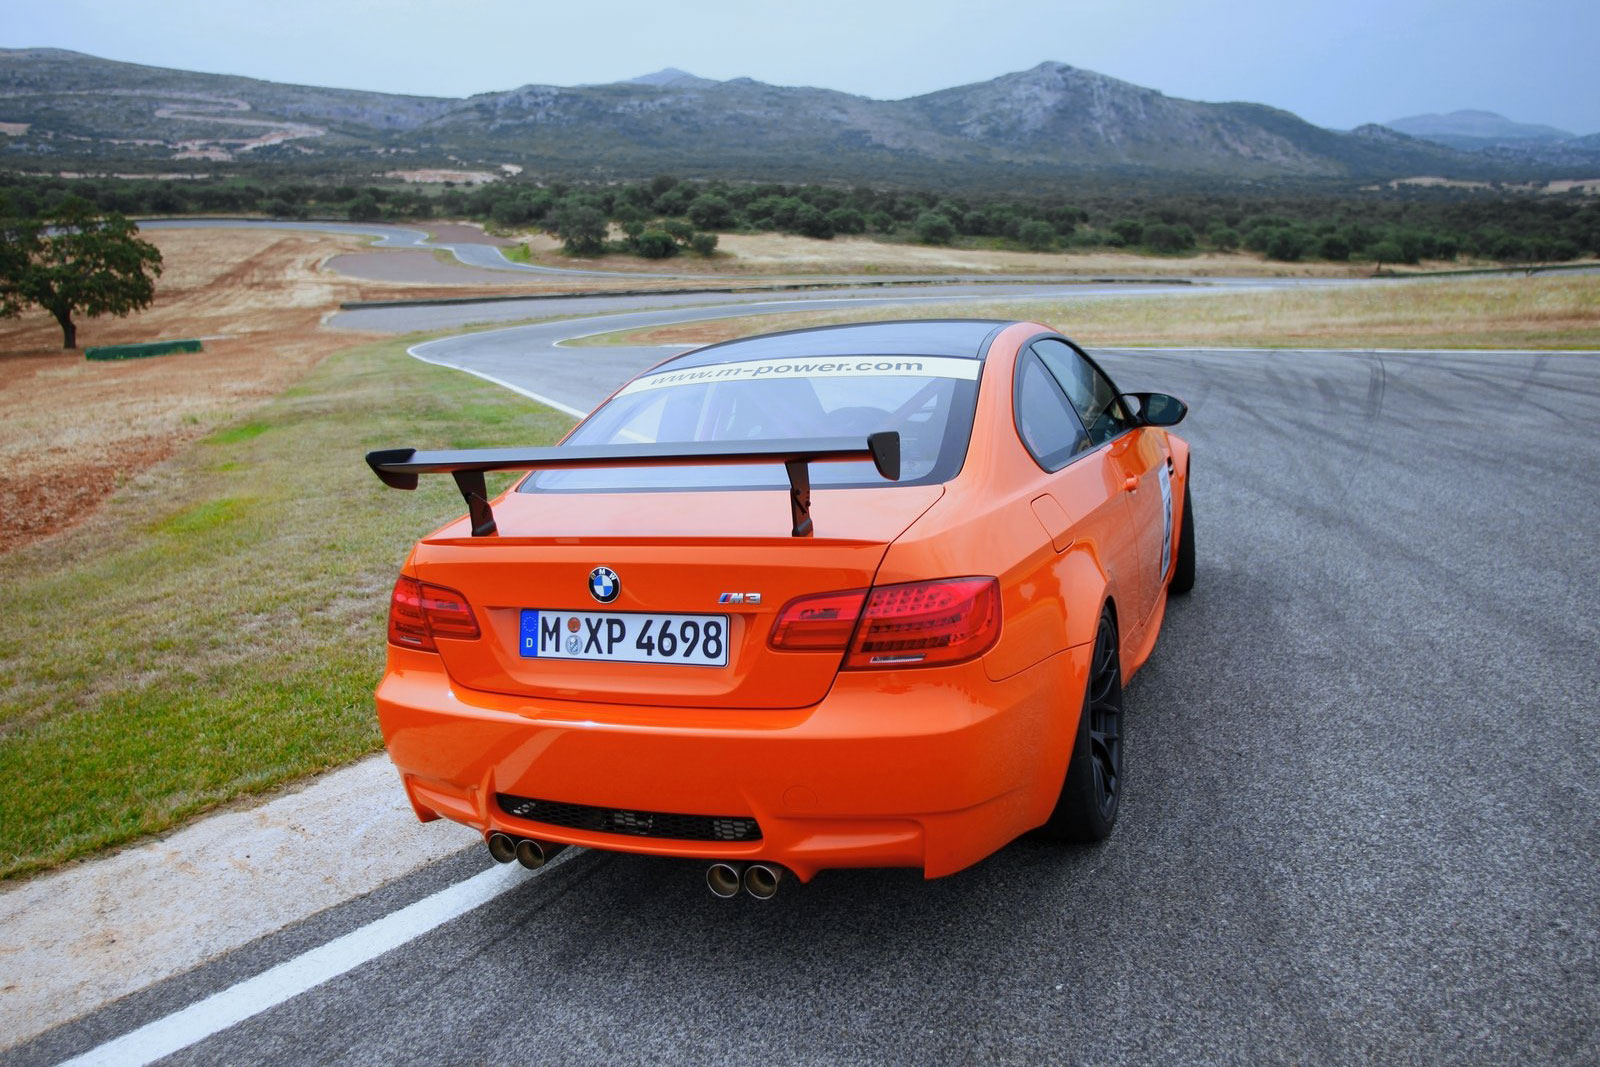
1498	143
1051	122
671	78
1468	130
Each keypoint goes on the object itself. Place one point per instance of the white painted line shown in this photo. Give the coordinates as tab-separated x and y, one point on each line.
565	409
289	979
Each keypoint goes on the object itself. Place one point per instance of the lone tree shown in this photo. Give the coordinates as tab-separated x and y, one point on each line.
75	262
582	229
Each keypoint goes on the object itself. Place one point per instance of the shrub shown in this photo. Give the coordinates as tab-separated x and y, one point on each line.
1037	235
1387	251
655	244
711	212
1223	237
364	208
1165	237
847	220
678	229
703	243
933	228
582	229
1288	244
674	201
1130	230
1334	247
811	222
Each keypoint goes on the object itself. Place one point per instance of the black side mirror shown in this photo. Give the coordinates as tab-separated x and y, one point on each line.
1157	409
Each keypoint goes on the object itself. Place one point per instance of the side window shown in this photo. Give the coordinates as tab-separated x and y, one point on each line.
1091	393
1045	421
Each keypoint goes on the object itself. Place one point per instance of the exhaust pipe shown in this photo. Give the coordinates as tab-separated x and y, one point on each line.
761	880
724	879
535	854
502	847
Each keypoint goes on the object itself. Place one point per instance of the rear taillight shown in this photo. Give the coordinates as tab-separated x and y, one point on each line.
420	611
920	624
818	623
917	624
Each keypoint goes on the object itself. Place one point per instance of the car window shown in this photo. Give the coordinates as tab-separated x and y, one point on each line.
928	400
1091	393
1045	421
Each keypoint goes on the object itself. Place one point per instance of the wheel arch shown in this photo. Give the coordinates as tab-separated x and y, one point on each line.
1086	590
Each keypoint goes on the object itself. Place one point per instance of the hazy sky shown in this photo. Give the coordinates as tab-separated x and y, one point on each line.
1337	63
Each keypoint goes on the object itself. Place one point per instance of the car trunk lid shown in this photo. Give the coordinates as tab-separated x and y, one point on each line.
723	558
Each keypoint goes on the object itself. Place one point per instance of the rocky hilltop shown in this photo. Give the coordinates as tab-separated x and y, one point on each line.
62	108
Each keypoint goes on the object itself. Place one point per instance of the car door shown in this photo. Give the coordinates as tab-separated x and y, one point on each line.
1136	454
1083	498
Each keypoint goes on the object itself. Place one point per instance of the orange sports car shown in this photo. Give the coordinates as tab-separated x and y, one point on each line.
856	596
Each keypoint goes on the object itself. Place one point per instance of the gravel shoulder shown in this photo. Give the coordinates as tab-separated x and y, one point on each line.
92	932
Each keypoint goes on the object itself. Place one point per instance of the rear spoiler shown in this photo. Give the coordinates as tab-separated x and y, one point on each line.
398	467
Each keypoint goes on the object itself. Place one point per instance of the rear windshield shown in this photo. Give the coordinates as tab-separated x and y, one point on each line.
928	399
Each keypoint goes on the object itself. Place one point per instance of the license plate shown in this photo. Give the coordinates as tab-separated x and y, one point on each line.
624	637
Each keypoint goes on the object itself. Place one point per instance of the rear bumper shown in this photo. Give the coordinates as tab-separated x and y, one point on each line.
933	768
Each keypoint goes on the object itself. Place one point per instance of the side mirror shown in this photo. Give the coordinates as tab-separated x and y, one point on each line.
1157	409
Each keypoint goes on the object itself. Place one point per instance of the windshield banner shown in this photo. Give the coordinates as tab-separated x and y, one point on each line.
845	367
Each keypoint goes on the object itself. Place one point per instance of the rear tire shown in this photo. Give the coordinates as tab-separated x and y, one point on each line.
1183	566
1092	791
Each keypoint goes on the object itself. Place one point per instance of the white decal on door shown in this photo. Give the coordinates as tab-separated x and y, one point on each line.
1165	478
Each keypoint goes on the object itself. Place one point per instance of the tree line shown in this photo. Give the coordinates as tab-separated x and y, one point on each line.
665	215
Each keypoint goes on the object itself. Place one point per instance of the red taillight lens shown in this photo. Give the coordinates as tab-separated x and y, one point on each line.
407	627
420	611
921	624
818	623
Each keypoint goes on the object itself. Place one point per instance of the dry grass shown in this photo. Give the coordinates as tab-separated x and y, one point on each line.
197	558
216	627
777	253
72	430
1543	311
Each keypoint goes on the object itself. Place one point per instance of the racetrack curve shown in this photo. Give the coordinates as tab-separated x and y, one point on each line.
1361	826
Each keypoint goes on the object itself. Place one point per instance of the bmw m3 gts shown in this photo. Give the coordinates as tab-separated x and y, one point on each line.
855	596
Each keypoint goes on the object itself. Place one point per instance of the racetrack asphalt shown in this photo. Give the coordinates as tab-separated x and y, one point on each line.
1361	825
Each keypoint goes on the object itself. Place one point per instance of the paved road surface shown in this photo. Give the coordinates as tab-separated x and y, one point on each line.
1361	826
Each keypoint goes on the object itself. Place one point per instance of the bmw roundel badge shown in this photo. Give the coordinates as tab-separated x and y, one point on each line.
604	585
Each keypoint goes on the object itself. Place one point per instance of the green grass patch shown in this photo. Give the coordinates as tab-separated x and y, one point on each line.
218	628
231	435
516	253
201	517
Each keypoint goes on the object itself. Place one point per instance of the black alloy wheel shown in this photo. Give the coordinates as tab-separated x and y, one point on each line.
1183	567
1092	792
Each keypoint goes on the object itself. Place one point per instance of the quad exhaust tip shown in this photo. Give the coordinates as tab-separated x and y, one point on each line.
525	850
724	879
502	848
760	880
535	854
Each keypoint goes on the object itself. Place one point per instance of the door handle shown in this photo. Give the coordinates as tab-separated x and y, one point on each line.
1132	484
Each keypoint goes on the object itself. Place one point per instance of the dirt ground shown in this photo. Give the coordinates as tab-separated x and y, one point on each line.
72	430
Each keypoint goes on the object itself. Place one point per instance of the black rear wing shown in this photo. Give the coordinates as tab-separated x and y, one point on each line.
398	467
